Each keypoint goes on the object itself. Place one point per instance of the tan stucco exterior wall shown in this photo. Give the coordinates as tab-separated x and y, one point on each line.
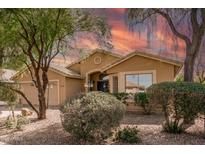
89	65
73	87
161	71
52	76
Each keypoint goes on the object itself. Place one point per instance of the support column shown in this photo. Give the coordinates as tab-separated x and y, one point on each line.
86	83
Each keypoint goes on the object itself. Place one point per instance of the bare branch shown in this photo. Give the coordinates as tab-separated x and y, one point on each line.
195	25
173	28
202	26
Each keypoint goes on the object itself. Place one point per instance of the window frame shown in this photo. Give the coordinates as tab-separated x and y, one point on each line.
137	73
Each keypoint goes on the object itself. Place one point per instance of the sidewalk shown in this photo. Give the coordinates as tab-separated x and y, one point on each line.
2	103
2	143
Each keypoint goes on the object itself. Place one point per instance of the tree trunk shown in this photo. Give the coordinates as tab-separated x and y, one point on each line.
42	106
189	67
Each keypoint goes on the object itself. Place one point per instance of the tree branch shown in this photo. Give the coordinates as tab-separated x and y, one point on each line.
24	96
173	28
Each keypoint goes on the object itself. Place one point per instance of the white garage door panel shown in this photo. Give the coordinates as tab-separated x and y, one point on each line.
52	94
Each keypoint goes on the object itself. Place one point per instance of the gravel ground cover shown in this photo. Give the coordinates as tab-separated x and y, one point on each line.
50	131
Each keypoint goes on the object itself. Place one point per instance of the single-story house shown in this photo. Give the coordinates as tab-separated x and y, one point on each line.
102	71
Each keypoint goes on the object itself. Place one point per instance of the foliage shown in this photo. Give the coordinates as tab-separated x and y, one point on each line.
122	96
21	121
91	116
180	78
16	122
173	127
10	122
39	35
179	100
142	99
7	95
128	135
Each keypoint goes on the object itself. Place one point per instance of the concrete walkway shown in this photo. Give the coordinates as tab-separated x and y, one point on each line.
2	143
4	110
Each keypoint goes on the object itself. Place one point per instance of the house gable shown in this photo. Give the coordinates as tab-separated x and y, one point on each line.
177	64
164	71
94	61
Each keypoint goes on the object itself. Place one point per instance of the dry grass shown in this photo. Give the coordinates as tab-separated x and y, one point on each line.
50	131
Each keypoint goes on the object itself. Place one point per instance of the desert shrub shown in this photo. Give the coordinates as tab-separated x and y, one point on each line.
173	127
142	99
21	121
91	116
127	135
122	96
179	100
16	122
10	122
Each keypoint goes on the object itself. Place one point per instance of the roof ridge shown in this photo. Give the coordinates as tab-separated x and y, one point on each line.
145	54
93	52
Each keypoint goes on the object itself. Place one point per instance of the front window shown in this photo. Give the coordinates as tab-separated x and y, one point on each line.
138	82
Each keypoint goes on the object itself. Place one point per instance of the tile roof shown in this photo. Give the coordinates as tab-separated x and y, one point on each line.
65	71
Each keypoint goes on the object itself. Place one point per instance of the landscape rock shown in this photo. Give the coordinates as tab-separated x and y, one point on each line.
26	112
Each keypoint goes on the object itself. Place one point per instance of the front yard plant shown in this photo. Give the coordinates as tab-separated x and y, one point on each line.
173	127
90	117
127	135
142	100
122	96
181	101
16	122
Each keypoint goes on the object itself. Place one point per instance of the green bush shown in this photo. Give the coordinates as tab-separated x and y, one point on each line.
21	121
173	127
122	96
91	116
10	122
180	78
179	100
16	122
127	135
142	99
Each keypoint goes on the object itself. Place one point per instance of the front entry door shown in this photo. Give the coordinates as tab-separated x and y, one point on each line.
102	86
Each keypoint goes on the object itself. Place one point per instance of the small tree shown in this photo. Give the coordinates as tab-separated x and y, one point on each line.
142	99
39	35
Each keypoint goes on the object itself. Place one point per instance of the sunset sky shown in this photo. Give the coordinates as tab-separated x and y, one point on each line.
125	40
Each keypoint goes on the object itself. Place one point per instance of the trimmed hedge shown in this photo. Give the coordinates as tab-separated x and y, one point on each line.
91	116
179	100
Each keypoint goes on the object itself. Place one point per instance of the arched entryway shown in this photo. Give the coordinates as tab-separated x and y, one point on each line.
97	81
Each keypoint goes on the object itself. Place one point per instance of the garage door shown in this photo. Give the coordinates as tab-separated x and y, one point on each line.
52	93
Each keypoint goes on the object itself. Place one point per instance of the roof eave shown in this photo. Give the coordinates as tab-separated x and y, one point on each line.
179	64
